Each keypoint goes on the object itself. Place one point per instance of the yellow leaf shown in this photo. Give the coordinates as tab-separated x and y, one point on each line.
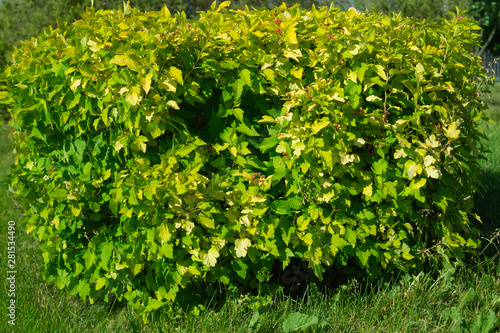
432	142
233	151
133	98
372	98
123	26
267	119
241	247
399	153
245	220
429	160
356	50
176	74
269	74
209	257
55	222
298	73
381	72
168	83
297	147
407	256
165	12
223	5
418	184
420	68
294	54
368	190
76	210
452	132
433	172
318	125
75	84
125	60
101	282
413	168
307	239
146	82
292	36
118	145
173	104
106	174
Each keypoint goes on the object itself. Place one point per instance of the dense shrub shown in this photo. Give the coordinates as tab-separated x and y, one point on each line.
160	159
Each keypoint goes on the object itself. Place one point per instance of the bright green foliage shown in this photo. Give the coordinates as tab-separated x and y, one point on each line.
159	158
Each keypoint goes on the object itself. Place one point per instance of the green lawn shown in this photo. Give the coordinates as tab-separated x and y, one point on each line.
463	299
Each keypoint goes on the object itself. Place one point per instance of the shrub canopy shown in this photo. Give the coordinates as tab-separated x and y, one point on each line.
160	158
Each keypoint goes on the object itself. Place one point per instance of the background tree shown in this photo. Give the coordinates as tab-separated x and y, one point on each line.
487	14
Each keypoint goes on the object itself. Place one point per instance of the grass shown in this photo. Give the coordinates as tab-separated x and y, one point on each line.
460	299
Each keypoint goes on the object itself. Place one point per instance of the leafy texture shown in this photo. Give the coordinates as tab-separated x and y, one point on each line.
160	158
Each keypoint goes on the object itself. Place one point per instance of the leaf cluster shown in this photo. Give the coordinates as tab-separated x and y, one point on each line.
161	159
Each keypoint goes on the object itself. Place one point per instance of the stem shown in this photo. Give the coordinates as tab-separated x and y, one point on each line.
386	111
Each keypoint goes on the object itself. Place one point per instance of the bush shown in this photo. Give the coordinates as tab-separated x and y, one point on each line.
160	159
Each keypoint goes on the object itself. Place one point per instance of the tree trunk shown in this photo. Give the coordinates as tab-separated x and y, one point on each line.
488	41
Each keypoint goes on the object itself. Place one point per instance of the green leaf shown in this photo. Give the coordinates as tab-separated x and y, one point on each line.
106	250
240	268
490	322
59	194
379	167
154	304
268	143
37	134
206	220
167	250
297	321
245	76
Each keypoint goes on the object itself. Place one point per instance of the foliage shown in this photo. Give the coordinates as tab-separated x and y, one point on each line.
162	159
431	10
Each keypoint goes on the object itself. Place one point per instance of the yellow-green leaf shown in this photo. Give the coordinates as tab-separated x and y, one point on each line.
176	74
413	168
292	36
163	233
100	283
241	246
318	125
125	60
206	220
368	190
209	257
146	82
419	184
173	104
452	132
433	172
245	76
75	83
